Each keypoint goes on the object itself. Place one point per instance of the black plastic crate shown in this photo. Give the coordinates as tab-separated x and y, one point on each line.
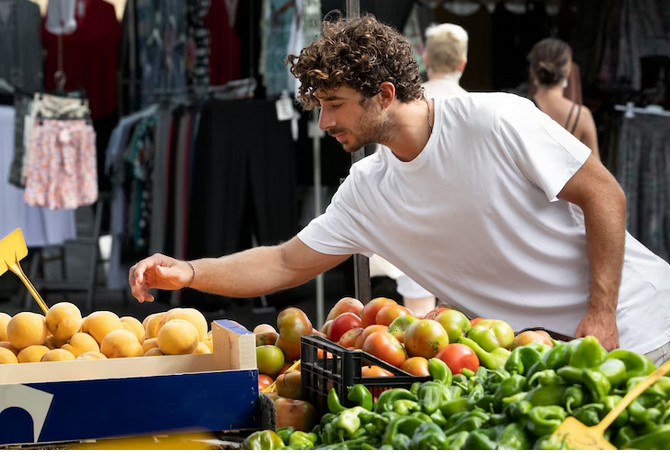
325	365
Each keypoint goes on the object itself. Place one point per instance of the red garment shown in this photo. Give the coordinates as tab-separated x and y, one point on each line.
90	56
225	54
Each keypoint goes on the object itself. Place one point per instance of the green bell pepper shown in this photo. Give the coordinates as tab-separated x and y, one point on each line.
300	440
518	410
360	395
513	437
547	395
480	440
468	421
544	377
285	433
399	432
349	444
636	364
439	371
456	441
597	383
334	404
574	398
263	440
559	356
405	407
614	370
494	359
623	436
548	442
543	420
428	436
658	439
588	353
522	358
431	396
388	397
438	419
347	421
609	402
455	406
589	414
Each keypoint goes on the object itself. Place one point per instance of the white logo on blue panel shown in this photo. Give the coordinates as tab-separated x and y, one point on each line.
35	402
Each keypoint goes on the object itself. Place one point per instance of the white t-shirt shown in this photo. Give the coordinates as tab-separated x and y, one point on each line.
475	220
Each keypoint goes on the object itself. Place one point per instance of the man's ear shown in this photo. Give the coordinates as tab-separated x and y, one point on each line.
461	67
386	93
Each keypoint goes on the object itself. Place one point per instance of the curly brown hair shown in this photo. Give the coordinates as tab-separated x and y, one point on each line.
360	54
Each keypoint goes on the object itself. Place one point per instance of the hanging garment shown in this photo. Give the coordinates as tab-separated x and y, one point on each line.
225	57
20	45
90	56
244	181
41	227
61	171
60	17
643	170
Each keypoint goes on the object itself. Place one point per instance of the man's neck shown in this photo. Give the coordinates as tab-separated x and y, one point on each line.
412	126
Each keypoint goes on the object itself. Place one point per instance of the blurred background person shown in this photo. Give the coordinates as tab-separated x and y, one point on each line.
550	66
445	57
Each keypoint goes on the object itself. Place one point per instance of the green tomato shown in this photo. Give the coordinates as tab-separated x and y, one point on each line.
455	323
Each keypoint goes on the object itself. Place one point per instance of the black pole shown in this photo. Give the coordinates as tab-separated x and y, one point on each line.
362	287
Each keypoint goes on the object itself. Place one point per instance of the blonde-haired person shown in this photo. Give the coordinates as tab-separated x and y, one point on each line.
550	66
445	57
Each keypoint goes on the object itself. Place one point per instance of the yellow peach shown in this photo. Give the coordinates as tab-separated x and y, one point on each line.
57	355
100	323
178	337
64	320
26	328
121	343
135	326
32	353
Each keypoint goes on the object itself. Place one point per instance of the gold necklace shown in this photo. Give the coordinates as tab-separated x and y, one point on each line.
430	126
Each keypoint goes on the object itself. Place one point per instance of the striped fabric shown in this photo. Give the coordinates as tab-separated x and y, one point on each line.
21	44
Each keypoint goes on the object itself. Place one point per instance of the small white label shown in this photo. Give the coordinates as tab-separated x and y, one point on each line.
284	107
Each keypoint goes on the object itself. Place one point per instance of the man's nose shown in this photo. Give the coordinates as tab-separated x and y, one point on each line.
326	121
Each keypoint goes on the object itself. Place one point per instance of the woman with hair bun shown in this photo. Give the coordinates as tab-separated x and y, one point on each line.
550	65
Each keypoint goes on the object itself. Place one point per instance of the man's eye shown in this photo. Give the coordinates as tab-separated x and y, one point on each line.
336	106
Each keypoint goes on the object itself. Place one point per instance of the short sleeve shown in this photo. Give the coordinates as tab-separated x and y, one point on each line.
546	153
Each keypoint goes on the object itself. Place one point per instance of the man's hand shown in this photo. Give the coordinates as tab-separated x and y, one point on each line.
602	325
158	271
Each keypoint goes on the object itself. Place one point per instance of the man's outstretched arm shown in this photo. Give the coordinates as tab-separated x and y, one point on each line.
254	272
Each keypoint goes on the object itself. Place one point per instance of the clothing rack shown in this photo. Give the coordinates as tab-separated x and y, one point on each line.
630	110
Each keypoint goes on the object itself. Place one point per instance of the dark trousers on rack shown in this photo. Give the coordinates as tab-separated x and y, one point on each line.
243	184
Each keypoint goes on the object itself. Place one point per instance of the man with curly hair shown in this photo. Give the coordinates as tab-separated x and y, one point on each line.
482	199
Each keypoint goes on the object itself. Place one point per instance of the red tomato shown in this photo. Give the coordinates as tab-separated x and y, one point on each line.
386	347
370	310
264	381
434	312
425	338
366	332
374	371
458	356
346	321
348	338
346	304
389	313
475	321
416	366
